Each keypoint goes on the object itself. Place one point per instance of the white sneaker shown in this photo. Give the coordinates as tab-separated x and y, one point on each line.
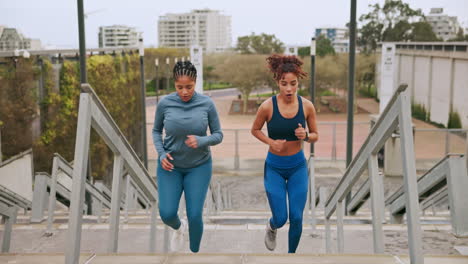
270	237
178	236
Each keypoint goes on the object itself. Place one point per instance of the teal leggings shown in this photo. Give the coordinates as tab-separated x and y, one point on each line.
194	183
286	183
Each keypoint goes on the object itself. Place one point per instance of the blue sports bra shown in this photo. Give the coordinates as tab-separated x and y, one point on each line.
280	127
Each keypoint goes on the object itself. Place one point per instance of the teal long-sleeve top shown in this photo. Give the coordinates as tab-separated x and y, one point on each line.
180	119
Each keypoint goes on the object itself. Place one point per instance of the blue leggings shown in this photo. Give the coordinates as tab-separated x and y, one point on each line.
287	175
194	183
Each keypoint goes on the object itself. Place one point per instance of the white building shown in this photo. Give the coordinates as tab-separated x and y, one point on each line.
207	28
444	26
338	37
12	39
118	36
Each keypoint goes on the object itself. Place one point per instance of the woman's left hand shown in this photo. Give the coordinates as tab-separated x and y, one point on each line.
300	132
191	141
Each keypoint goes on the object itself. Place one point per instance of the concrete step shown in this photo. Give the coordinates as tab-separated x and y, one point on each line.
235	217
227	259
233	239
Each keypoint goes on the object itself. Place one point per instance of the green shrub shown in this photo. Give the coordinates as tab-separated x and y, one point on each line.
454	120
327	93
419	112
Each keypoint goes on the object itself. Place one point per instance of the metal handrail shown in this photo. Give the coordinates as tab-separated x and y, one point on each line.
396	113
92	113
450	172
60	164
9	214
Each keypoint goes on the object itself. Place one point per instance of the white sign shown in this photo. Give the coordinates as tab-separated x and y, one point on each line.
387	74
196	54
291	50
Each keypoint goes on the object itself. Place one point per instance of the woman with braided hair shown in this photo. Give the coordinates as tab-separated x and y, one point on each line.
285	172
184	154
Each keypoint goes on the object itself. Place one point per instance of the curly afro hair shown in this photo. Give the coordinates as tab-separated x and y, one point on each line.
281	64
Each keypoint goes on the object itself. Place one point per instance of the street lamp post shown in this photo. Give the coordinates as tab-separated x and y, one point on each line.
167	74
81	29
352	57
312	83
141	52
156	81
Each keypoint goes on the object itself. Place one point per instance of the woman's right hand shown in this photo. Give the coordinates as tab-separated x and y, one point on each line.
166	164
277	145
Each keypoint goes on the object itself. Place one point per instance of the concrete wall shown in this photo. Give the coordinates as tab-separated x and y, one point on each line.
460	90
17	175
438	80
421	80
439	95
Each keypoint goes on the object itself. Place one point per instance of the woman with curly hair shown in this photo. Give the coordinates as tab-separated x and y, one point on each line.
184	154
288	116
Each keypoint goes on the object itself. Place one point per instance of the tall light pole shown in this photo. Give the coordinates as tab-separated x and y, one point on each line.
141	52
81	32
167	74
72	251
156	81
312	83
352	58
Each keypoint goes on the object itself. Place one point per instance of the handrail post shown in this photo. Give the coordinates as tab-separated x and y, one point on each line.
311	198
236	150
153	227
377	203
447	141
38	202
466	148
79	177
52	196
166	239
334	142
410	180
115	204
339	226
9	221
327	236
128	195
457	181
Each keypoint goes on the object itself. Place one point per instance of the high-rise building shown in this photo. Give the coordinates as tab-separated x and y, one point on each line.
207	28
337	36
12	39
444	26
118	36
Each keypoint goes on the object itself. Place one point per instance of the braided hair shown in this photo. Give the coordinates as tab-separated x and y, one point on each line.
281	64
185	68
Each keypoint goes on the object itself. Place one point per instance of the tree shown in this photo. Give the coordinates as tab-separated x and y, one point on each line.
259	44
394	21
460	36
324	46
303	51
246	72
422	31
18	108
400	32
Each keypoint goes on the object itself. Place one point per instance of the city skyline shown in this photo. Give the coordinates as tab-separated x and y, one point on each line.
33	19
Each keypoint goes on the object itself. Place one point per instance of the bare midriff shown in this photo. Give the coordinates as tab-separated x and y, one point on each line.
290	148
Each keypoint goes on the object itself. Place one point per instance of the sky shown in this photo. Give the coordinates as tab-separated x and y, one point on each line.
55	22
